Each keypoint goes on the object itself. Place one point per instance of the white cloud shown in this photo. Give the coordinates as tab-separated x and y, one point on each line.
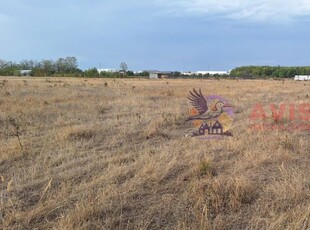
254	10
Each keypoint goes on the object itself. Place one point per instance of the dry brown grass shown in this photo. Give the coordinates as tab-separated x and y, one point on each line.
112	154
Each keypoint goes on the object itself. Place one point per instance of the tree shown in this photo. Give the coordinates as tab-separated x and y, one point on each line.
93	72
71	63
123	67
27	64
8	68
48	67
176	74
130	73
143	74
66	65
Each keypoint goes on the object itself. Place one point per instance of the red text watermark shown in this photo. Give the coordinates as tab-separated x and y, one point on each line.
294	117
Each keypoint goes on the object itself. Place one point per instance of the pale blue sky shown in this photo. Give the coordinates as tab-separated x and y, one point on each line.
158	34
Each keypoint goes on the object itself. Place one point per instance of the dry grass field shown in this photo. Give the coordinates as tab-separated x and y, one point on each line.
113	154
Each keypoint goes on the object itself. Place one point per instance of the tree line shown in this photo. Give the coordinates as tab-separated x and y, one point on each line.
269	71
59	67
62	67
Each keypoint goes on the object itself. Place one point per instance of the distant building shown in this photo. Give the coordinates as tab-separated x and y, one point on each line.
187	73
302	78
107	70
25	72
212	72
154	74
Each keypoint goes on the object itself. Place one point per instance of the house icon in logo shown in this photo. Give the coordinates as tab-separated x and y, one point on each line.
214	129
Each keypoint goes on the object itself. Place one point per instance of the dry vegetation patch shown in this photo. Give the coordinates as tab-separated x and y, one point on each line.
113	154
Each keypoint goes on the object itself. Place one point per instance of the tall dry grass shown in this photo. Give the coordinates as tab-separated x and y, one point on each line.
112	154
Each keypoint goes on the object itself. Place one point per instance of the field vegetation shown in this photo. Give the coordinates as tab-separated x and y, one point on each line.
113	154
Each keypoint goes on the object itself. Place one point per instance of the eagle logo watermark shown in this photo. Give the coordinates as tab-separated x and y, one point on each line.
211	115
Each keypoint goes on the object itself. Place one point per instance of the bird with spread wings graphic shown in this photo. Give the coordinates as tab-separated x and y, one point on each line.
205	112
209	110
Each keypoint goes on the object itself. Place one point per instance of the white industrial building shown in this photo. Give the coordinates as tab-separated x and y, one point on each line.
107	70
25	72
212	72
188	73
302	78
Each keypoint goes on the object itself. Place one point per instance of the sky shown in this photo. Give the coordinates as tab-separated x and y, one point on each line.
172	35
